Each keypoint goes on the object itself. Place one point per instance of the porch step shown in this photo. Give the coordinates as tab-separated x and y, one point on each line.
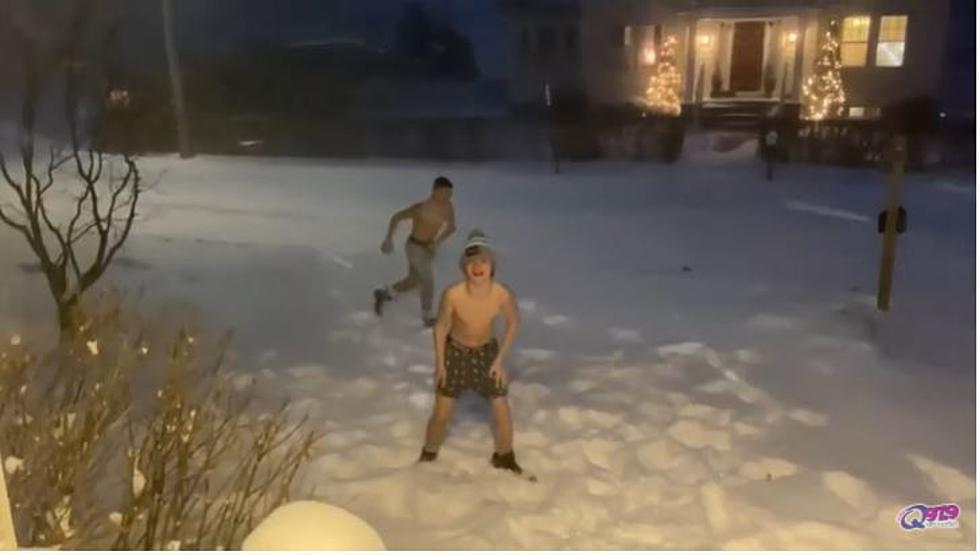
735	114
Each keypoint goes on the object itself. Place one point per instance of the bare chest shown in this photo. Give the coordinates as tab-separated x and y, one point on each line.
430	216
477	313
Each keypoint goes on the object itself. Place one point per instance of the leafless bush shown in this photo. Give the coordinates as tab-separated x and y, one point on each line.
139	445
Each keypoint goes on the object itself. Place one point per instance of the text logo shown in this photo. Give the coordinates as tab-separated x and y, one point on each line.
922	517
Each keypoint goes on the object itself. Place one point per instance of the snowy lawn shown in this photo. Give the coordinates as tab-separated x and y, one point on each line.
700	364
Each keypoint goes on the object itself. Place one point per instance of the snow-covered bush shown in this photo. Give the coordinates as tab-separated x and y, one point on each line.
123	441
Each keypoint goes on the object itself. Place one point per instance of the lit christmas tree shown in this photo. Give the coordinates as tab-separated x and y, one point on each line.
823	95
663	93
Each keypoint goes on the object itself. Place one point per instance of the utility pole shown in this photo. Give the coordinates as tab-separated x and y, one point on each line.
176	83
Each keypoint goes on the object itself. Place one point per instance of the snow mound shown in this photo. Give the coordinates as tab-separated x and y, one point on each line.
310	525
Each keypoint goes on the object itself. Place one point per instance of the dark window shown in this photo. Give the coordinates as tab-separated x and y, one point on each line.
617	36
571	39
525	46
546	42
658	36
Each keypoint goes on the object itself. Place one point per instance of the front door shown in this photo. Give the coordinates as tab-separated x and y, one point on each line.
747	56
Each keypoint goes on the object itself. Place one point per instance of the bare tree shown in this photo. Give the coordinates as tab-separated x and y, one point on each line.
73	247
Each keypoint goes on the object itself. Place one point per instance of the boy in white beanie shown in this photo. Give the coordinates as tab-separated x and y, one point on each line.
467	354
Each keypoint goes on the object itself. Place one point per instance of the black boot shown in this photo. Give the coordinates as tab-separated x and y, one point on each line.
506	461
428	456
380	297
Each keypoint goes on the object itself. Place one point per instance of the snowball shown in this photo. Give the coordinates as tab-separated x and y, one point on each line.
310	525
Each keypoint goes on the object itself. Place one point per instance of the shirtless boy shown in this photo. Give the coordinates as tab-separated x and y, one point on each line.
432	222
467	355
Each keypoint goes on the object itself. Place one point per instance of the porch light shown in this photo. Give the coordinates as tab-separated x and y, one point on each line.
649	55
705	40
792	37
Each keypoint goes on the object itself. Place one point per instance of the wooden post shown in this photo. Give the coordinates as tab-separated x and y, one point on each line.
552	127
8	534
899	156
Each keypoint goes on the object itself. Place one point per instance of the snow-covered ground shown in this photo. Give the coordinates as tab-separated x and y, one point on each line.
700	363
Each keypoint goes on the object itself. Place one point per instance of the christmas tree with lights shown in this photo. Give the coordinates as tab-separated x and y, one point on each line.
663	93
822	95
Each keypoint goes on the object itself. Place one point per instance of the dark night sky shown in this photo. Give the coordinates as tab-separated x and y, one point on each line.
205	25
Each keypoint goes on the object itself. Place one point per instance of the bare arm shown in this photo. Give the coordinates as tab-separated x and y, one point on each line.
440	333
448	229
512	317
397	218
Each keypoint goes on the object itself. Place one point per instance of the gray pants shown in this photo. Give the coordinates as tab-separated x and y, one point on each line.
419	274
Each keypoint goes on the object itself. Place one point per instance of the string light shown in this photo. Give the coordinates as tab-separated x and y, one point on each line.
663	92
823	94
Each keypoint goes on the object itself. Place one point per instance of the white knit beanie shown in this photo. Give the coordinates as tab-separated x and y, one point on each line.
479	240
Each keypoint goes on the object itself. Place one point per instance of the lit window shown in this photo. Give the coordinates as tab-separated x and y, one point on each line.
890	45
857	112
856	33
627	36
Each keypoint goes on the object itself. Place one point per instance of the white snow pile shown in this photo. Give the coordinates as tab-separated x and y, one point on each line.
312	526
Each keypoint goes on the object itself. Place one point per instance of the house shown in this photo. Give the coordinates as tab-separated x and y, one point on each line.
726	50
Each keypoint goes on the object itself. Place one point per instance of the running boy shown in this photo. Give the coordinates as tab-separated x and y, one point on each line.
432	222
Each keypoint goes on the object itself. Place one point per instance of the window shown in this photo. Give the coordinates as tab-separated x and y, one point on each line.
571	39
546	43
863	112
856	33
621	36
890	43
615	37
525	46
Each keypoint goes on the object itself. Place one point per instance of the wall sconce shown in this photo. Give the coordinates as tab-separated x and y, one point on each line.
791	37
649	55
705	40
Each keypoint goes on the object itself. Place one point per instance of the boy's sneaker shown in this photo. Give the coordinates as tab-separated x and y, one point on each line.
380	297
506	461
428	456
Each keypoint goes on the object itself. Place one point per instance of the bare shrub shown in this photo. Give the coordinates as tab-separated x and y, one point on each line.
117	441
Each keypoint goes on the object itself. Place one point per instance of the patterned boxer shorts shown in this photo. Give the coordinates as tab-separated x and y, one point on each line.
468	369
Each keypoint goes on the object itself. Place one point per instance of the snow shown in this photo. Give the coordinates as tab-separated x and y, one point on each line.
700	363
308	525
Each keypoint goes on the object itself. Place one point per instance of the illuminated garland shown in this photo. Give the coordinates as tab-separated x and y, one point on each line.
663	92
823	95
